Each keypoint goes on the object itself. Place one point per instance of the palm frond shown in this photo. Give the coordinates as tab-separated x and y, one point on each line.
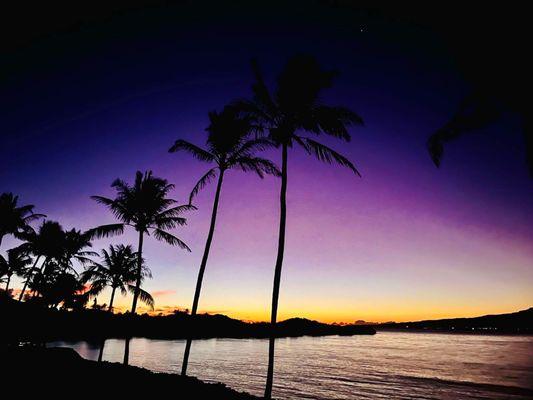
195	151
332	121
160	234
106	231
202	182
103	200
324	153
250	147
175	211
144	296
260	166
260	89
167	223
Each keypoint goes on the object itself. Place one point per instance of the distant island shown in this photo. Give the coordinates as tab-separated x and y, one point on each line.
520	322
30	323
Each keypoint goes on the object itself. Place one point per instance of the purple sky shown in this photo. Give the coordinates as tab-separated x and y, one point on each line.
406	241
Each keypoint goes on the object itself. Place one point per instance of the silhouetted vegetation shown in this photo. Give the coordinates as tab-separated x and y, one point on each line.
14	219
117	270
16	263
146	208
94	325
295	107
229	146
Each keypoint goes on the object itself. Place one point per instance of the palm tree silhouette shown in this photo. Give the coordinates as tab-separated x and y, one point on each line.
16	263
65	247
295	107
46	243
228	147
15	220
146	208
118	271
74	244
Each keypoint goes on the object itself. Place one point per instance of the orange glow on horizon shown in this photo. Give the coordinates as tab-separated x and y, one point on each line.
341	317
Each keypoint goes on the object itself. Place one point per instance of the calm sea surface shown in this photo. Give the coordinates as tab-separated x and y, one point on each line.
388	365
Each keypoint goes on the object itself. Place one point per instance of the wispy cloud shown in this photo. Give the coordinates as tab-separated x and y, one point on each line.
159	293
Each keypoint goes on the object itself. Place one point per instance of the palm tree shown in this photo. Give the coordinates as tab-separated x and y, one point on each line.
117	270
228	147
65	247
295	107
146	208
16	263
47	243
15	220
74	244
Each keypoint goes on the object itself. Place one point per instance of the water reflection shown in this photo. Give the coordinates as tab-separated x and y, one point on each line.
387	365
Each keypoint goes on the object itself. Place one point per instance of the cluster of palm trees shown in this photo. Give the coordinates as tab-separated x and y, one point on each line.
46	262
270	119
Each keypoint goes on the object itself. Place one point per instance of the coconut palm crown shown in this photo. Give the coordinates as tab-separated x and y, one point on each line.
14	219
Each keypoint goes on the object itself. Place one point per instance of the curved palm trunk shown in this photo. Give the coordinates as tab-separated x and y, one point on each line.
110	309
277	272
202	269
136	293
7	283
28	279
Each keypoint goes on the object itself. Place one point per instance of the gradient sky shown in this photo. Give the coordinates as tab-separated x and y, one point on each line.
406	241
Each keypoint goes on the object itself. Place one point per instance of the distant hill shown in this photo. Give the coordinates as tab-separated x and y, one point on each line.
29	322
520	322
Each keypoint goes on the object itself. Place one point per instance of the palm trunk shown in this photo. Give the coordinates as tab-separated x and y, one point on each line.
28	279
110	309
139	273
277	272
7	283
136	293
202	269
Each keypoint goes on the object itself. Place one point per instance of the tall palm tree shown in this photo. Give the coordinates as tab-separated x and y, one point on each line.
14	219
228	147
16	263
47	243
295	107
146	208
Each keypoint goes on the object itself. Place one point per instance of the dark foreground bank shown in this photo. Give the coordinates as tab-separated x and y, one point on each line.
61	372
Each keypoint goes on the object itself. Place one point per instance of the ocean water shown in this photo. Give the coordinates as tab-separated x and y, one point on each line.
388	365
